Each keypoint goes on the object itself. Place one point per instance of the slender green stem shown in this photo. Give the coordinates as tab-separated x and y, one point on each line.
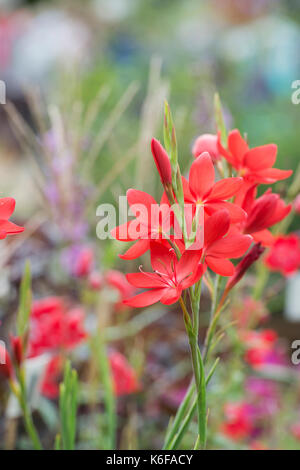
21	396
199	374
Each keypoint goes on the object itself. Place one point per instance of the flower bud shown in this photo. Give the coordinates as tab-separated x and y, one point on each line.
244	265
162	162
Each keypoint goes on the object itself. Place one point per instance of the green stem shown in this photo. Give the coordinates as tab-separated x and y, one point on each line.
21	396
199	375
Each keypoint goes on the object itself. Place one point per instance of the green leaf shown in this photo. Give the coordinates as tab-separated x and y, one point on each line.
68	401
24	302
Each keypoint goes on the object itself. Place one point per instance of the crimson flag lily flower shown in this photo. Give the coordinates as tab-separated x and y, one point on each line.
171	276
254	165
162	162
7	207
264	212
203	191
218	247
150	222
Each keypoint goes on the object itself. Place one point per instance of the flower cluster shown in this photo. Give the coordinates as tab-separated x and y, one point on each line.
202	223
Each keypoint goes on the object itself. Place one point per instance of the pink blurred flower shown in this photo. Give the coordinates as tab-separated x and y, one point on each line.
297	204
284	255
124	377
207	143
238	422
50	383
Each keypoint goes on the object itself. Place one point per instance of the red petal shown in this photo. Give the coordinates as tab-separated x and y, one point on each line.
198	273
145	280
216	227
232	246
226	188
9	227
141	204
236	213
237	146
265	237
162	258
136	250
221	266
145	298
260	158
171	295
187	264
7	206
271	175
121	232
202	175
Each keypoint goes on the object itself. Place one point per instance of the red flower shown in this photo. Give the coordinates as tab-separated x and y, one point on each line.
284	255
150	222
50	383
54	327
218	248
259	345
170	276
206	143
238	423
297	204
6	369
254	165
202	190
296	431
84	262
162	162
263	213
124	377
7	206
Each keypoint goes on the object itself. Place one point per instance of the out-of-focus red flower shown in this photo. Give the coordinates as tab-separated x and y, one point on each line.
202	190
50	383
259	346
263	213
162	162
151	221
206	143
254	165
296	431
53	327
248	312
258	445
297	204
238	423
6	369
124	377
218	248
119	282
17	348
84	262
96	280
284	255
170	276
7	207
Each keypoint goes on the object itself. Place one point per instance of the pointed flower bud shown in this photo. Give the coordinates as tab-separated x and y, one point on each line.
162	162
244	265
6	369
